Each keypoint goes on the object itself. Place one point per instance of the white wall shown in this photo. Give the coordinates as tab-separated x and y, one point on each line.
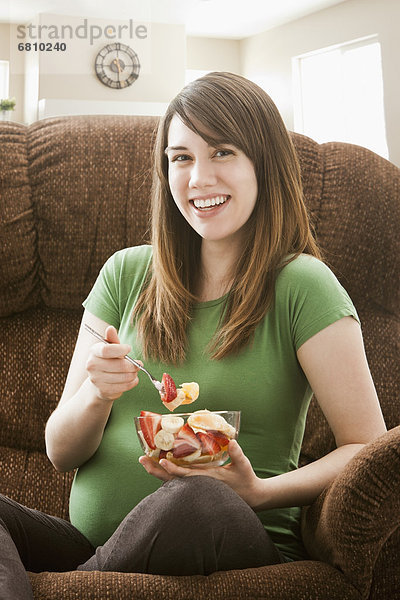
212	54
58	80
266	58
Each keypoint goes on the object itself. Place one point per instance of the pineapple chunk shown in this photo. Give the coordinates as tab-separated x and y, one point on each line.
191	391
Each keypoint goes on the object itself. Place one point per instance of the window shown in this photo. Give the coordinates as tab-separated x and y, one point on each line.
339	95
4	77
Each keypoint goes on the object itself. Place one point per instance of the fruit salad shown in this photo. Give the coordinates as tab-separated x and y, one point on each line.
201	437
172	397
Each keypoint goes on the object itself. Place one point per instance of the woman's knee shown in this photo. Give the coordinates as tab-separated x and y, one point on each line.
201	492
222	529
205	508
204	494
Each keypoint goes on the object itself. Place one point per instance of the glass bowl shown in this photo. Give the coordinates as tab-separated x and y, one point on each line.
188	439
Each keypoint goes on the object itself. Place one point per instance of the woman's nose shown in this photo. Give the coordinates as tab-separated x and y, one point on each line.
202	174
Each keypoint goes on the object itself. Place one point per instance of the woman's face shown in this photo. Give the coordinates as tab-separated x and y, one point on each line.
215	189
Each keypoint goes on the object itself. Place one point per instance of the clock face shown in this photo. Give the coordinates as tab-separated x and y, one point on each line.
117	65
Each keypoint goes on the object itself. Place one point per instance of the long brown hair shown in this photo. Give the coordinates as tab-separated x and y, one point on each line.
240	113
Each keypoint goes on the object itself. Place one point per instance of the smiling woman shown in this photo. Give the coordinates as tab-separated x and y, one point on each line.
231	294
222	136
215	189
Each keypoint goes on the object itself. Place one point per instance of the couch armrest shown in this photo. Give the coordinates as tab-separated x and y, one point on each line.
350	521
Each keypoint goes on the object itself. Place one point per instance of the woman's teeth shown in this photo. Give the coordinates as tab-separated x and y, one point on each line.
210	202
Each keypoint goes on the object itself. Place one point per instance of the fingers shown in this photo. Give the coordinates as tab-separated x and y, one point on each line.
174	470
206	470
238	474
111	372
166	470
113	350
239	461
110	387
154	468
107	368
111	335
235	452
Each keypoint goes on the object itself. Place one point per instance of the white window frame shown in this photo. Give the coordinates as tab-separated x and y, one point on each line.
4	79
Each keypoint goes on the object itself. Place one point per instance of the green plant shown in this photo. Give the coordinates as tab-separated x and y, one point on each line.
7	104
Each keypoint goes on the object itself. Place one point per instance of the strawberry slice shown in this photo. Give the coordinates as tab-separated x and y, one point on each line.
186	442
169	392
150	424
219	437
209	445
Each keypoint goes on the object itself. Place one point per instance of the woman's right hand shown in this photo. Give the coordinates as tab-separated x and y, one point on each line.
108	371
98	374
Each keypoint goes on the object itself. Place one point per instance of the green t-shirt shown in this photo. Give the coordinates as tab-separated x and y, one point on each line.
264	381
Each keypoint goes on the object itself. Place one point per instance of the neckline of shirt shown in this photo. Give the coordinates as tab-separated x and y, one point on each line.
210	303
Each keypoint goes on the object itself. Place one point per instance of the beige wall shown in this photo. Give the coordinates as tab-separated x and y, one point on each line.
211	54
266	58
70	75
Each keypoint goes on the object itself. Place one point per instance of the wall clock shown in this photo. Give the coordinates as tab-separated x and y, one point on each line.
117	65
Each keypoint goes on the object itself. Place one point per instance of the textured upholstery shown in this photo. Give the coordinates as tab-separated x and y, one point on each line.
75	189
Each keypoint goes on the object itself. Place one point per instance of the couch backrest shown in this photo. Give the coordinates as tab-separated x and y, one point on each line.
75	189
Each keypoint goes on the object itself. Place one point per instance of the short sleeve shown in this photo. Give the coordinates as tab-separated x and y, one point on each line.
313	297
118	285
102	300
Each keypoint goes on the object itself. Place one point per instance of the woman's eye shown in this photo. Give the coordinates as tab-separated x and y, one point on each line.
180	158
223	152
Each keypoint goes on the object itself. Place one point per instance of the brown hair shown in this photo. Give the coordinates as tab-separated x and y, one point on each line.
240	113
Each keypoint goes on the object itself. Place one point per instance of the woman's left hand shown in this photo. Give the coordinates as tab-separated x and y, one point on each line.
238	474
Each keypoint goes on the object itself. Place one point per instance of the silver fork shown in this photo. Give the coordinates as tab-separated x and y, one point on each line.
157	384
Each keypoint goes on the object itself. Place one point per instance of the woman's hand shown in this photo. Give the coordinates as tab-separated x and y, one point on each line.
98	374
238	474
107	369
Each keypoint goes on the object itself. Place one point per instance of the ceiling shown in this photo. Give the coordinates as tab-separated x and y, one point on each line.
214	18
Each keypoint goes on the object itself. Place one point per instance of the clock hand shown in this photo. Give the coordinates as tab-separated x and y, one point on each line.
116	61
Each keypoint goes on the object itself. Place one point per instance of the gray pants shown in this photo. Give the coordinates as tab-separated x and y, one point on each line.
190	526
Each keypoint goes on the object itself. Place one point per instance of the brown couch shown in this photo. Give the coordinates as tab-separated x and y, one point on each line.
75	189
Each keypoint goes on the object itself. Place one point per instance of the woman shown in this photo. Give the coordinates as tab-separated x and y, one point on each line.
232	293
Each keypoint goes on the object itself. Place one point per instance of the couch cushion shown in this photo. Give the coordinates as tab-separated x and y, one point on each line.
35	348
74	190
18	255
30	479
90	197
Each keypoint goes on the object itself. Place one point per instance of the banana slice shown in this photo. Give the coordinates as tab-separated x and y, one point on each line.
164	440
204	419
172	424
191	457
